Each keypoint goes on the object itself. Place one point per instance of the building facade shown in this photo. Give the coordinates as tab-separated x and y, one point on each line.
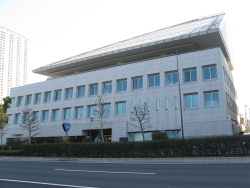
182	73
13	61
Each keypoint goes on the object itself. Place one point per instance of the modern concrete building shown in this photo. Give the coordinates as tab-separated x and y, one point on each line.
13	61
183	74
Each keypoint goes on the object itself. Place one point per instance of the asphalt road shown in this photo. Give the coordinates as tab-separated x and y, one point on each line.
30	174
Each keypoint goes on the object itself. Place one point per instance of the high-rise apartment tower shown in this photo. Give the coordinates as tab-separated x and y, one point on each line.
13	61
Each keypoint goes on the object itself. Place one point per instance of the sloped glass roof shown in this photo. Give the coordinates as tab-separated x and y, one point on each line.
190	28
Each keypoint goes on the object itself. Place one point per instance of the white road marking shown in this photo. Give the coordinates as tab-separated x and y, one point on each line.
43	183
109	172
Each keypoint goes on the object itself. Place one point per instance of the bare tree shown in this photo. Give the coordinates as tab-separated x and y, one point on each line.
3	122
140	118
30	123
101	114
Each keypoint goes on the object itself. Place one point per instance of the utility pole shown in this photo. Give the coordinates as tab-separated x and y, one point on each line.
177	63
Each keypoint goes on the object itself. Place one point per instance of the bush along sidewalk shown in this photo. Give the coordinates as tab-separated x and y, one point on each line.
205	146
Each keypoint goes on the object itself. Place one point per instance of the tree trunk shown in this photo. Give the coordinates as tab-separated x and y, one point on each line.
29	137
143	136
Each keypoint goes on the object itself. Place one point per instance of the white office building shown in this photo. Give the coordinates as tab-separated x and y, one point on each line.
182	72
13	61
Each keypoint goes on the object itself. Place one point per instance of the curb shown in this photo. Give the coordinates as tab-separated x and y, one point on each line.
208	160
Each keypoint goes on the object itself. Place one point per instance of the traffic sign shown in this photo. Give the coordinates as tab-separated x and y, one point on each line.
66	126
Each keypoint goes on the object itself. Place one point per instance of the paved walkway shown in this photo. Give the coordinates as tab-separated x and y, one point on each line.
136	160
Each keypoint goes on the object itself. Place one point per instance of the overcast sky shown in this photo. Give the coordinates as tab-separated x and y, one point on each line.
58	29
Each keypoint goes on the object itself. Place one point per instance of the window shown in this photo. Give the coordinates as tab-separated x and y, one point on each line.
58	95
190	75
92	110
122	85
212	99
20	101
191	101
47	97
79	112
28	99
38	98
106	108
56	114
67	112
45	115
80	91
157	104
9	119
209	72
173	134
166	103
36	116
172	78
121	108
18	118
69	93
137	83
154	80
13	102
107	87
93	90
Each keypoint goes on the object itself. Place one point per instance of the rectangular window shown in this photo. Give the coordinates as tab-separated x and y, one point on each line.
212	99
154	80
92	110
93	90
9	119
28	99
172	78
190	75
209	72
18	118
20	101
12	104
45	115
107	87
106	108
58	95
137	83
121	108
69	93
38	98
56	114
122	85
191	101
47	97
79	112
80	91
36	116
67	112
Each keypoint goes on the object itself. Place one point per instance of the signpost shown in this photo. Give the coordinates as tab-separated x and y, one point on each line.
66	128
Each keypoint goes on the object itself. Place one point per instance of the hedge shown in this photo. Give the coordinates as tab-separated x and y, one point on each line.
11	153
205	146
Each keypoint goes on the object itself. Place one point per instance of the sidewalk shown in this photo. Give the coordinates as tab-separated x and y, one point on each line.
135	160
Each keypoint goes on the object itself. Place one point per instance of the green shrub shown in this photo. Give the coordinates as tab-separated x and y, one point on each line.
205	146
159	136
15	144
11	153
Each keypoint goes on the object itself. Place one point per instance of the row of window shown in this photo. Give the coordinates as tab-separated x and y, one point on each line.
190	75
191	101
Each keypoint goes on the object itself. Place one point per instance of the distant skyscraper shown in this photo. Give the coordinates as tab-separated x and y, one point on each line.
13	61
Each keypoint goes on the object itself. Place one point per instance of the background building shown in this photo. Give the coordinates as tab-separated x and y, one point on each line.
13	61
183	74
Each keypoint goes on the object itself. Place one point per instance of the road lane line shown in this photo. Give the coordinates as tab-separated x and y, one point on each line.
43	183
109	172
